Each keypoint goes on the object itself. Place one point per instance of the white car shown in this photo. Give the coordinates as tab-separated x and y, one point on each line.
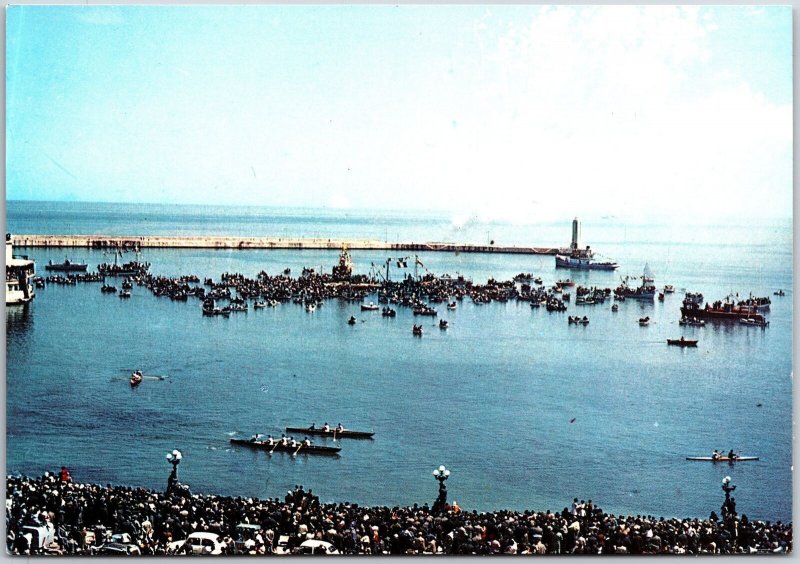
201	543
313	546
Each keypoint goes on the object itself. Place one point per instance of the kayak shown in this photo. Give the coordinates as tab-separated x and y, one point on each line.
722	458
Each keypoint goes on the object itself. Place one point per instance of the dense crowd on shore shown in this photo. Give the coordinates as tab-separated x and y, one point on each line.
82	518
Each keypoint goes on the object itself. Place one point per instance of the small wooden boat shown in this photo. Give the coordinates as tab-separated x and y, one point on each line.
351	321
669	289
615	308
443	324
644	321
345	433
125	294
722	458
259	305
779	293
136	378
388	312
108	289
417	330
754	322
371	306
682	342
452	305
278	447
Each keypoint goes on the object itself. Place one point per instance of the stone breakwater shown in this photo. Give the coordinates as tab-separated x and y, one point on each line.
297	243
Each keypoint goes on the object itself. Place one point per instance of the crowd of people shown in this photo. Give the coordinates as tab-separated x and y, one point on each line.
53	514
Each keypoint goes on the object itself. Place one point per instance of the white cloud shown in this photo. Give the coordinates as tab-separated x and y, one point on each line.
599	110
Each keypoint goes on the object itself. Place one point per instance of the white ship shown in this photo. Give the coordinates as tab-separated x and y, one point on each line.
581	259
19	276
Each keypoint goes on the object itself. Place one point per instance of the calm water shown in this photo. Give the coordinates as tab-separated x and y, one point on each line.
492	397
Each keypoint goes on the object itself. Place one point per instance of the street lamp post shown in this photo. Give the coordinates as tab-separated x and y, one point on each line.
729	505
441	474
173	458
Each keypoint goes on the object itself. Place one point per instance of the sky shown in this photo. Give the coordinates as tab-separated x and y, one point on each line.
514	113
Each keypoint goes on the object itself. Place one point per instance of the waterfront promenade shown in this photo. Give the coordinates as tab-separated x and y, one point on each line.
296	243
82	517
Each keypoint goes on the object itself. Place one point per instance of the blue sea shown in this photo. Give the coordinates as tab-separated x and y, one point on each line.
526	411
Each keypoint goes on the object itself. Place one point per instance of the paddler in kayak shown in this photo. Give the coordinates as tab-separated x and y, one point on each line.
732	456
715	455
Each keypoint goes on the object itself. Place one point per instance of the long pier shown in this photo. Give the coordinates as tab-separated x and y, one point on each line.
214	242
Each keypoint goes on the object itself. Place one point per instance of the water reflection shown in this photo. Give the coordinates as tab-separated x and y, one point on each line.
19	319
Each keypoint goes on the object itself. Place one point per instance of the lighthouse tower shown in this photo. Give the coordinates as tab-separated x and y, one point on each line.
576	234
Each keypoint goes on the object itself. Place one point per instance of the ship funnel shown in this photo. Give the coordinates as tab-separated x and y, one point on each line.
576	234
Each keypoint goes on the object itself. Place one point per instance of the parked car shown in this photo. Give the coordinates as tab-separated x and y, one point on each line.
39	538
313	546
245	537
118	549
200	543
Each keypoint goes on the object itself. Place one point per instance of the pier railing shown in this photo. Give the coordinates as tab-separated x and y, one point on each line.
214	242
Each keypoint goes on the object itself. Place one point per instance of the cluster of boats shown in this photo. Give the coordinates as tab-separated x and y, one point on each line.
133	268
578	320
306	446
527	277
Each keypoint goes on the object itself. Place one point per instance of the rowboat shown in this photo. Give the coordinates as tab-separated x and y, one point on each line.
722	458
682	342
345	433
278	446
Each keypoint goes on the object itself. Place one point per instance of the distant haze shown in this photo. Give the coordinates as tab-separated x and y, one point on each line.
515	113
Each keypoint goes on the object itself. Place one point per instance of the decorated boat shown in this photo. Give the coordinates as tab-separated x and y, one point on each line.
721	311
645	291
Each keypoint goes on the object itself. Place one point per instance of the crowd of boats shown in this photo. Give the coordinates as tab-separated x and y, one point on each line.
234	292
